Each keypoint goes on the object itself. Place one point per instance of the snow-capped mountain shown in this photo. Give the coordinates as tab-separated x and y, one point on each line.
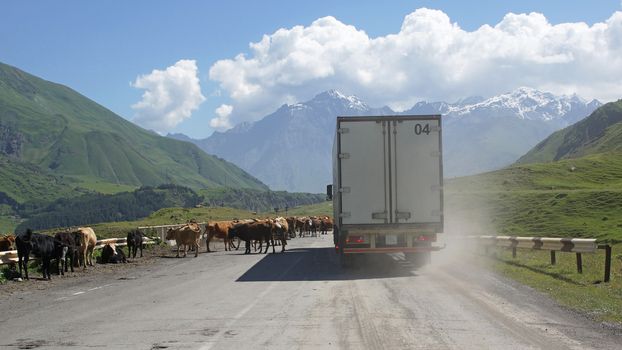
290	149
292	146
486	134
523	103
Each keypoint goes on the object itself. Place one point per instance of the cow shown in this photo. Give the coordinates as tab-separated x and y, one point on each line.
88	240
66	248
7	242
257	231
219	229
134	242
188	235
111	254
300	225
291	226
280	229
326	223
41	246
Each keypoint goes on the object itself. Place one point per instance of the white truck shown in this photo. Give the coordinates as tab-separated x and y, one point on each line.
387	186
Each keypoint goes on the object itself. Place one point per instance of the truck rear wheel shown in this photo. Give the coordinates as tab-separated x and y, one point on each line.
418	259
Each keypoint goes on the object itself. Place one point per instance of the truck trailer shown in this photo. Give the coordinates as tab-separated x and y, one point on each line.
387	186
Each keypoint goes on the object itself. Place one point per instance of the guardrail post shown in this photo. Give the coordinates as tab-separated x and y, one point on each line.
553	257
514	252
579	263
607	249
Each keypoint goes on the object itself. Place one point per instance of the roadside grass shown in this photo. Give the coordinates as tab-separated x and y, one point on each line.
584	292
578	198
169	216
319	209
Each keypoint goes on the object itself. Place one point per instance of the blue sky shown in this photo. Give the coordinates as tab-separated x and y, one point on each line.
100	48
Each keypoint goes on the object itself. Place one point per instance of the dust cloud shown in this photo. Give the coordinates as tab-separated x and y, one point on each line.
468	212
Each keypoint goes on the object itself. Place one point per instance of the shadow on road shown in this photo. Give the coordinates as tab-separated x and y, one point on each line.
322	264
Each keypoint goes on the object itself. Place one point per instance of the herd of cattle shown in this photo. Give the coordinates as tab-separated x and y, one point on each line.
74	248
252	231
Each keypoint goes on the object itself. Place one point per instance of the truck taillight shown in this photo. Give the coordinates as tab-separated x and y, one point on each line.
355	239
427	238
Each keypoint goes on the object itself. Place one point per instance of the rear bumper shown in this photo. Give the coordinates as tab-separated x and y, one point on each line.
391	250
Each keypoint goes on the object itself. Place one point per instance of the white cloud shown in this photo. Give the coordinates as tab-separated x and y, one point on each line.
430	58
222	122
171	96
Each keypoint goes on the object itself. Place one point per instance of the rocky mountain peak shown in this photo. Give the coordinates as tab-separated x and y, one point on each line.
332	96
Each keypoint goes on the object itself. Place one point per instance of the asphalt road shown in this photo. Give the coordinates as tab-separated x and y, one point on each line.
297	300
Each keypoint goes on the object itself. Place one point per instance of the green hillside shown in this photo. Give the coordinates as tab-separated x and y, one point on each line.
579	197
23	182
57	129
95	207
259	200
600	132
92	208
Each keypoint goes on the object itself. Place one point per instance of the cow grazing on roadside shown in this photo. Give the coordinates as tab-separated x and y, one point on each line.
66	249
111	254
41	246
134	242
7	242
258	231
187	235
88	240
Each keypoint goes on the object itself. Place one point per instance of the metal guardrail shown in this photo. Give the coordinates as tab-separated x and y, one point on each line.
10	256
570	245
160	230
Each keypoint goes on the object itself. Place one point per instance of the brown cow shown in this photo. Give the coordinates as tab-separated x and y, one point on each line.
87	241
300	225
219	229
280	229
291	224
7	242
188	235
326	223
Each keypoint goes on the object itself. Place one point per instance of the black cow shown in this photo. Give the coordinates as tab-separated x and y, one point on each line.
41	246
66	248
256	231
111	254
134	242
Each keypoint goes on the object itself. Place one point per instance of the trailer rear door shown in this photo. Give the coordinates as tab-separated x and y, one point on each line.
416	171
362	148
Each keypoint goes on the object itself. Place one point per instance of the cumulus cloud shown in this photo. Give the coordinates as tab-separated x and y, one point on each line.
430	58
170	96
222	122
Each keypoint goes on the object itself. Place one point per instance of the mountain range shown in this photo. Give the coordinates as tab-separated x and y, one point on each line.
601	132
56	130
290	149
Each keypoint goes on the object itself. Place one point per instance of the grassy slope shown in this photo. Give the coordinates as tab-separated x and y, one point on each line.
599	132
551	200
72	135
25	182
546	199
